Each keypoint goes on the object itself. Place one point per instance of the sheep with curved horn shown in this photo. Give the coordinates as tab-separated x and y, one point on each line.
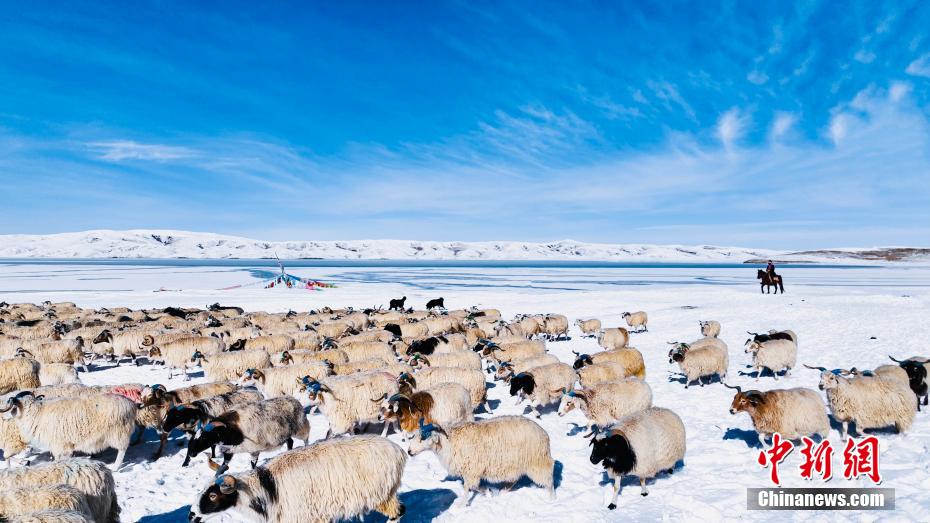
867	401
793	413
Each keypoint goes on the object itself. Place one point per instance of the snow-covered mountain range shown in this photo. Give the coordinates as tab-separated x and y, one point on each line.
183	244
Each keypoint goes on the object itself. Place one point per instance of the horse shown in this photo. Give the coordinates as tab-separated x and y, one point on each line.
770	281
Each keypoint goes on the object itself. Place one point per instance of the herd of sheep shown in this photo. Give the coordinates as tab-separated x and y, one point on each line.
420	373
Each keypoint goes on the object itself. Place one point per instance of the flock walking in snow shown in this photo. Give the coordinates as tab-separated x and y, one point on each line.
423	374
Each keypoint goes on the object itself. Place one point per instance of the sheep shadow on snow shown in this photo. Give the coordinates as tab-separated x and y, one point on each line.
576	429
629	480
763	372
682	379
421	505
178	514
856	432
750	437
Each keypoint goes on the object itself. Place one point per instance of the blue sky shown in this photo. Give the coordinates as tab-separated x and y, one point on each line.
764	124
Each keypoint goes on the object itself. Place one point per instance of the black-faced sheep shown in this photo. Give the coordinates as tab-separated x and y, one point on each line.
641	444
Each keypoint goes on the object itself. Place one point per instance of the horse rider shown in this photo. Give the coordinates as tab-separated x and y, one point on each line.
770	269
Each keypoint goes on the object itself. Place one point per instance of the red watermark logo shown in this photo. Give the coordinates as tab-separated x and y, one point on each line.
860	458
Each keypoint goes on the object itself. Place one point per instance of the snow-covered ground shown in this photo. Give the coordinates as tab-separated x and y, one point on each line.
198	245
835	312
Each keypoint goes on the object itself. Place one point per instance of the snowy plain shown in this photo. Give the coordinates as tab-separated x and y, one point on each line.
835	311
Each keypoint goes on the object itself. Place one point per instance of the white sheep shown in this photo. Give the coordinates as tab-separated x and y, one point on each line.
710	329
555	326
775	355
281	381
182	353
499	449
589	327
701	360
636	320
85	424
605	403
613	338
793	413
57	374
641	444
51	516
868	401
349	400
629	358
58	351
35	498
289	357
543	385
506	370
472	380
230	365
11	441
461	359
595	373
88	476
331	480
269	343
19	374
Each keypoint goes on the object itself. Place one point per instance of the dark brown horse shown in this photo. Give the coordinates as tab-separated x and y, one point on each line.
769	281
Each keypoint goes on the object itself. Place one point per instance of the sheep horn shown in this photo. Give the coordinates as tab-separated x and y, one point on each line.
378	400
821	369
736	388
10	403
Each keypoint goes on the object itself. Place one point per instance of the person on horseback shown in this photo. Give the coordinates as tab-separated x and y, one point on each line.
770	269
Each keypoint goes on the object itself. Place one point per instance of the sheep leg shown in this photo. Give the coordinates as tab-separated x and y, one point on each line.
613	500
775	375
758	373
163	439
385	430
471	486
533	406
290	443
844	429
255	457
119	458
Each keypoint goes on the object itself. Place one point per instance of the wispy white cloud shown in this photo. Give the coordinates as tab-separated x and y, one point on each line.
920	66
731	126
839	127
537	173
120	150
757	77
898	91
782	124
611	109
864	56
668	94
